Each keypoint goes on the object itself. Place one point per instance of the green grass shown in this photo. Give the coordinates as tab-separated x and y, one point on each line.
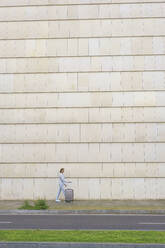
39	204
83	236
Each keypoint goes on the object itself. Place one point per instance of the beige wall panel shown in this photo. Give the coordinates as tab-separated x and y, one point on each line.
127	152
152	132
106	99
82	189
132	1
94	189
82	47
83	170
45	189
97	115
118	188
82	12
160	132
105	189
38	82
65	82
126	114
18	189
127	189
151	184
82	64
59	2
44	116
40	133
139	188
96	132
160	191
82	28
23	2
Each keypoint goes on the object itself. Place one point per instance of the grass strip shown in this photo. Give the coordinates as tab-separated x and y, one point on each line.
83	236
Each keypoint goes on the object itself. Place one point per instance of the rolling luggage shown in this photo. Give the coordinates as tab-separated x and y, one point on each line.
69	195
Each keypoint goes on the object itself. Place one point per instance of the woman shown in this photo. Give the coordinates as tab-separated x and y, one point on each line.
62	183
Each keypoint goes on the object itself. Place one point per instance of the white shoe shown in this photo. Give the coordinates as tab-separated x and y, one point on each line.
57	200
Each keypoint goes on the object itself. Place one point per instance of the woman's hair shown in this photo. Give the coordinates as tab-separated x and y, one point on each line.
62	169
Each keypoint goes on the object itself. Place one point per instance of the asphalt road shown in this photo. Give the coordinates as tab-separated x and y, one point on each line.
80	222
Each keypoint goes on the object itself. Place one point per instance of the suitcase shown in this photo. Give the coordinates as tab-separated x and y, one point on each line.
69	195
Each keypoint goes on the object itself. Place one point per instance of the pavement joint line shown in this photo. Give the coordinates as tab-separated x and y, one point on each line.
81	212
77	245
151	223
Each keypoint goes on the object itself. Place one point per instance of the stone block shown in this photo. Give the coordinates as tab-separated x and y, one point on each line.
116	152
94	188
116	27
136	44
160	132
114	82
125	46
83	47
61	82
94	46
90	133
73	12
96	64
43	189
151	188
23	2
145	99
136	27
105	46
159	152
88	11
72	47
160	169
56	47
140	64
105	188
158	45
127	188
160	62
141	132
106	64
118	99
43	116
40	133
147	46
160	191
82	191
131	80
53	65
151	132
116	188
139	188
57	12
150	152
126	10
19	189
157	27
115	46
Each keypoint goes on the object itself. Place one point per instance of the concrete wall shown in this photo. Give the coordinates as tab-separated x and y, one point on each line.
82	86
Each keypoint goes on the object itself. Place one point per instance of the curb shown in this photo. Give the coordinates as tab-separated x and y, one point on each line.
54	212
76	245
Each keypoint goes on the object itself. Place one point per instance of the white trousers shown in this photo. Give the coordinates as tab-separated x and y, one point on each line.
61	188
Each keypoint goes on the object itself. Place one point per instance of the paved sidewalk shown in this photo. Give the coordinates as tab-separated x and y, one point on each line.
77	245
90	207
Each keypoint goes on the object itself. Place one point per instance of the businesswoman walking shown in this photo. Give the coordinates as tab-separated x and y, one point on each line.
62	184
